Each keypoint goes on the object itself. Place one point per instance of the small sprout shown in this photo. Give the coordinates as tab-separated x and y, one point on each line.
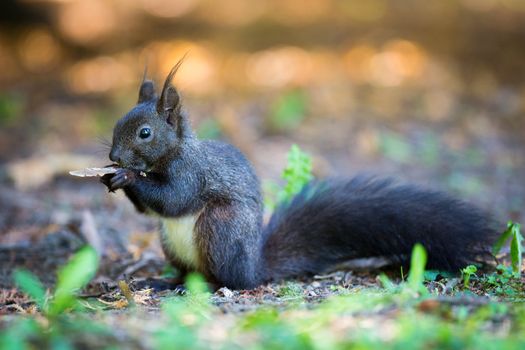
387	283
513	233
291	290
467	273
71	277
74	276
297	173
416	275
31	285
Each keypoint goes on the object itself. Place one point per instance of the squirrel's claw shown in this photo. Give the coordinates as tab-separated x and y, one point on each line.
106	180
121	179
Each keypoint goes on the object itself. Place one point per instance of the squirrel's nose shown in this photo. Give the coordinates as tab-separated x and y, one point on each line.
114	156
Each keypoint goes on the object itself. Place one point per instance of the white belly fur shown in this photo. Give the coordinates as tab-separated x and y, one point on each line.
178	237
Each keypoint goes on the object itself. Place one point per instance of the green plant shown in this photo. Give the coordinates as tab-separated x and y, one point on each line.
288	111
387	283
435	275
71	277
513	233
502	282
275	331
416	274
184	316
467	273
296	174
291	290
57	330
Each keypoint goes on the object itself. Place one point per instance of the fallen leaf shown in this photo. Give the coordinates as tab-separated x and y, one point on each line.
90	172
117	304
225	292
429	305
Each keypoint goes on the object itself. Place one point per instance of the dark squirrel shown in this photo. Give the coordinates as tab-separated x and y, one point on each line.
208	199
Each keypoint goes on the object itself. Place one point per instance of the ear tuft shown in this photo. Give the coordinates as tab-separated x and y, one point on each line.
169	98
146	91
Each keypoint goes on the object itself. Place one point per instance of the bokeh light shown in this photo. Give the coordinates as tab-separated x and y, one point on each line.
198	74
39	50
280	67
168	8
87	21
97	75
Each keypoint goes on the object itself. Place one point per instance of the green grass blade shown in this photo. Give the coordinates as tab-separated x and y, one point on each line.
72	277
196	284
516	248
31	285
17	334
496	248
387	283
468	272
418	261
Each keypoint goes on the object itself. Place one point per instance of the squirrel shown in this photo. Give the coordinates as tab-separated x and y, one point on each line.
209	202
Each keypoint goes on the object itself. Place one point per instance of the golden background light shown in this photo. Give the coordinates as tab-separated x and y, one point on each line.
39	50
168	8
231	12
97	75
279	67
87	21
198	73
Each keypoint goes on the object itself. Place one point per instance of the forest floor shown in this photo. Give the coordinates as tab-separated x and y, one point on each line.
130	304
46	216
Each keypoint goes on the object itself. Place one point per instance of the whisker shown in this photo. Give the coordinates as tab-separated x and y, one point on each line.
101	151
104	142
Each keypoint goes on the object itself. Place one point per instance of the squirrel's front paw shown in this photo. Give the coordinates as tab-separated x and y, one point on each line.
106	180
121	179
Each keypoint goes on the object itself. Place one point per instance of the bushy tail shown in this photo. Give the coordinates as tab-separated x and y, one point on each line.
333	221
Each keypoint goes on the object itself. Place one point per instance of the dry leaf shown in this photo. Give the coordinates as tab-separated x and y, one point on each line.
143	296
124	288
225	292
88	172
429	305
117	304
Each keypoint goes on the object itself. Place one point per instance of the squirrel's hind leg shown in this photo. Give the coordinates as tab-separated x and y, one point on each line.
229	240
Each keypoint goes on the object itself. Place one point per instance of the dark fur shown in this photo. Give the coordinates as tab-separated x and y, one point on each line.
336	220
329	222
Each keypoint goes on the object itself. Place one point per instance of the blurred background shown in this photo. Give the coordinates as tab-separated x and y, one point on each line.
431	92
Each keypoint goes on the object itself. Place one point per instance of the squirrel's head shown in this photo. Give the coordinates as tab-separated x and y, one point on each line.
154	130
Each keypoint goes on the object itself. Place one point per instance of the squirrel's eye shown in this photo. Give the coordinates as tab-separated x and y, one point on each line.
145	133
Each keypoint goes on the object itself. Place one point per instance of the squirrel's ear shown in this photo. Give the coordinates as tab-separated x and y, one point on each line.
169	101
146	91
